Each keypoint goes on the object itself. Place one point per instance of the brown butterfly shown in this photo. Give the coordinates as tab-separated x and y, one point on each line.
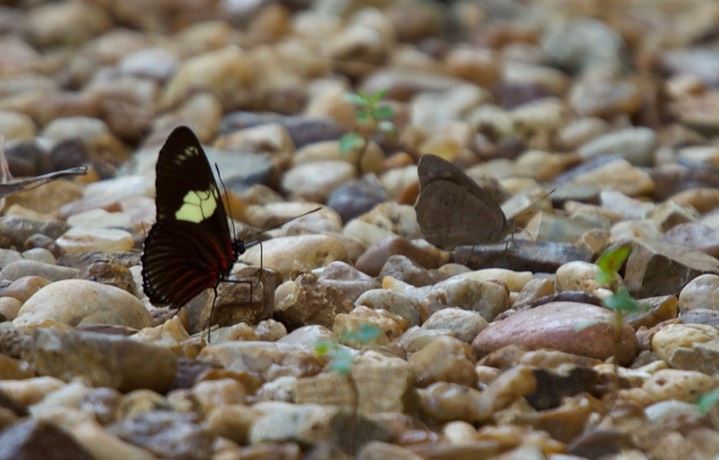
453	210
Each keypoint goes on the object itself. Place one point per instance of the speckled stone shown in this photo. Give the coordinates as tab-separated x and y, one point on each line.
558	325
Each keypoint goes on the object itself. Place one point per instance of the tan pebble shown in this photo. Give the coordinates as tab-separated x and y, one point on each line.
389	325
486	374
484	297
680	385
94	437
579	276
218	393
13	369
9	306
81	302
416	338
376	450
480	66
670	214
533	290
314	181
643	229
678	335
459	432
702	199
447	402
302	252
514	280
701	292
463	323
582	130
227	73
232	421
265	359
79	239
621	176
444	359
16	126
29	391
267	138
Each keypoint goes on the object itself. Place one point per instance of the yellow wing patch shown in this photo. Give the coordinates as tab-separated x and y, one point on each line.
198	205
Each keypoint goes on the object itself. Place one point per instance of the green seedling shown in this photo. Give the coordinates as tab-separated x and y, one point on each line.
620	302
340	357
707	401
341	361
374	117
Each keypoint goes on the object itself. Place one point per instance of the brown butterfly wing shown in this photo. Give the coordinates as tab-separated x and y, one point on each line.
453	210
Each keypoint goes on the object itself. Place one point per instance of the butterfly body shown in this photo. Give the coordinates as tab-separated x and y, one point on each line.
453	210
190	247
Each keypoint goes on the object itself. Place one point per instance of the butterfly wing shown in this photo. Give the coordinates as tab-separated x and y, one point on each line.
190	246
453	210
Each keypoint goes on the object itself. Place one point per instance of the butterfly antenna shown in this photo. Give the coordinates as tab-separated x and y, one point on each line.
259	232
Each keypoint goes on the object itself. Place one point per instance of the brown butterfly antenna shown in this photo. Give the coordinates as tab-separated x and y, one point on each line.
512	220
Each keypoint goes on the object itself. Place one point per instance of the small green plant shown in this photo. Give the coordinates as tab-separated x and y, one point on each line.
707	401
373	118
620	302
340	357
341	362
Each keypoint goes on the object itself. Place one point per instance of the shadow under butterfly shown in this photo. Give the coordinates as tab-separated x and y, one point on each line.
190	248
453	210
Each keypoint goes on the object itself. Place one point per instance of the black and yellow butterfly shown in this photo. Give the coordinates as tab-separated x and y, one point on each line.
190	247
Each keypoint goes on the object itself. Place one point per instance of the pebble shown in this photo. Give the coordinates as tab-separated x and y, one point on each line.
463	323
559	325
605	98
375	258
88	239
302	252
356	198
27	440
225	72
346	278
637	145
165	433
315	181
651	261
620	176
519	95
406	307
484	297
444	360
82	303
679	385
265	359
309	424
21	268
688	346
700	293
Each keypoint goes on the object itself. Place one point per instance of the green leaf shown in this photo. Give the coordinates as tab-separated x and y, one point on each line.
611	261
342	361
387	127
323	347
378	96
349	142
363	114
365	333
384	112
356	99
622	301
707	401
